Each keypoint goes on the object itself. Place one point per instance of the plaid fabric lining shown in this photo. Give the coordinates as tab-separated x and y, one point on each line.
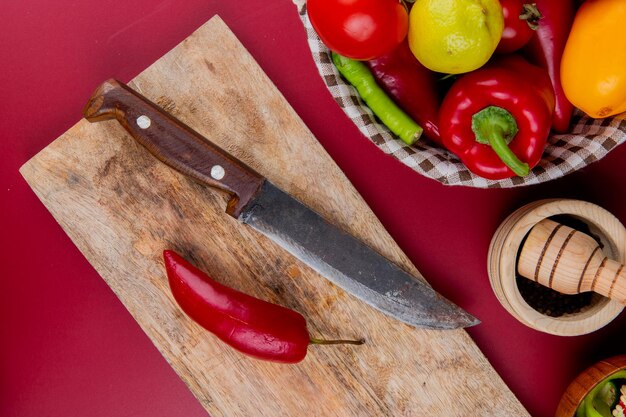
589	141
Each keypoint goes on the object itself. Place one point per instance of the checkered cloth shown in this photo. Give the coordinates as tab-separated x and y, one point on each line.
589	141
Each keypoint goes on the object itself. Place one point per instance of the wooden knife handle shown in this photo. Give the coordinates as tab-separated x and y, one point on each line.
174	143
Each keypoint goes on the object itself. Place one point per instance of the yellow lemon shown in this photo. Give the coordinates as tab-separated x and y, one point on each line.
455	36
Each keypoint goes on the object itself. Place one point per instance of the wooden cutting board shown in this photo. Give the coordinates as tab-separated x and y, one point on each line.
122	208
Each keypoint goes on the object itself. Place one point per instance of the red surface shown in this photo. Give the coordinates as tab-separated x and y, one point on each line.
67	345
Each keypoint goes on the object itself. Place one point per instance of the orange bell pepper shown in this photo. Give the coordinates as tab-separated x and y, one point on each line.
593	68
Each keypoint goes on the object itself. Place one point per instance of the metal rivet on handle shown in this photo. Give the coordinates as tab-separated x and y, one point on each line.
143	121
217	172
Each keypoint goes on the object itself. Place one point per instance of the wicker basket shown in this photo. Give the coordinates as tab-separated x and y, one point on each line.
589	141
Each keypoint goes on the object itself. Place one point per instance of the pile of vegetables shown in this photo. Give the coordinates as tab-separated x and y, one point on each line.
607	399
488	80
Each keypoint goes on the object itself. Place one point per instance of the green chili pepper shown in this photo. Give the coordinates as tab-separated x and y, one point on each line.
357	74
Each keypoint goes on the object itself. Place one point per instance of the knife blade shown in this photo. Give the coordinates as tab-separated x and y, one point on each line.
256	202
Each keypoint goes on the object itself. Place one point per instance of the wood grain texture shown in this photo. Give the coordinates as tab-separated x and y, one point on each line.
570	261
586	381
503	264
122	207
174	143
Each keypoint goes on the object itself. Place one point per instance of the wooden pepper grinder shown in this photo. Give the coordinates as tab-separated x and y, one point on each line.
570	262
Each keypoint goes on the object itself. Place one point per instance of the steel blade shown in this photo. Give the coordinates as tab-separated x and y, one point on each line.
349	263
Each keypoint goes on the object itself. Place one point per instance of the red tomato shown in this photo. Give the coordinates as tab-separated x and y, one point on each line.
517	31
359	29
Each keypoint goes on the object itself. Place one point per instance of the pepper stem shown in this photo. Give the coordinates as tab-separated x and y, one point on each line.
314	341
531	14
496	127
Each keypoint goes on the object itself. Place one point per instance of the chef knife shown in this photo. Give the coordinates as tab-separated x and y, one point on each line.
255	201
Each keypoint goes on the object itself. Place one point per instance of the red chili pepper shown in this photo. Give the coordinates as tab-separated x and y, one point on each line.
497	118
412	86
545	49
255	327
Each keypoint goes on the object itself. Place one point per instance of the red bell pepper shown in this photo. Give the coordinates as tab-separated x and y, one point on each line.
412	86
255	327
497	118
545	49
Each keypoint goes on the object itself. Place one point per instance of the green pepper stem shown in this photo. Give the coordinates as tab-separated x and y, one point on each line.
499	145
496	127
531	14
314	341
